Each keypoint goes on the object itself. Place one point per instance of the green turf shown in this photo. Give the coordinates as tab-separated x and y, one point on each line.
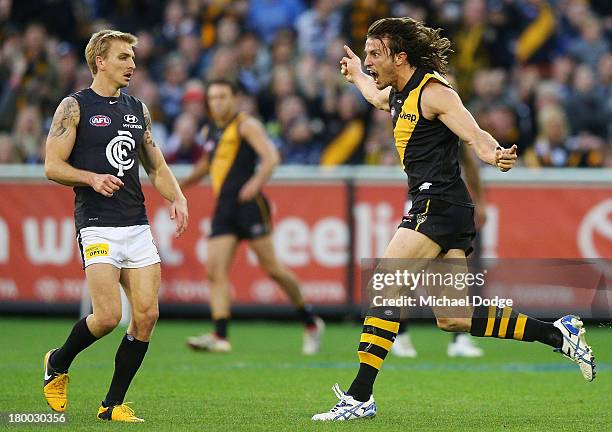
266	385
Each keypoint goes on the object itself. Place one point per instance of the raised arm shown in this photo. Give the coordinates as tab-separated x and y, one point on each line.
438	100
161	177
254	133
60	142
350	67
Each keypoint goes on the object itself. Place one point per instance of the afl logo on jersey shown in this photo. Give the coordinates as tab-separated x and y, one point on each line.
100	120
117	152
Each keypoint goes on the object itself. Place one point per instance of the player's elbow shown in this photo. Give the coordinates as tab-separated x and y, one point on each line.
275	159
272	159
50	170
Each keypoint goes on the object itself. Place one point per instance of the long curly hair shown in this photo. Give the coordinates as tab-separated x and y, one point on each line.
423	45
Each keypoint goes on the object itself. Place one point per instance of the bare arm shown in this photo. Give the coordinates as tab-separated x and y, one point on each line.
161	177
472	173
469	164
439	101
200	168
254	133
350	67
60	142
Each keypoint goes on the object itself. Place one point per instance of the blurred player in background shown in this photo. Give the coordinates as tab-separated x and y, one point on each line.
97	137
405	61
234	143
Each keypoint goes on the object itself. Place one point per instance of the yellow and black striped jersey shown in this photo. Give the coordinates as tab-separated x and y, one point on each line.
428	149
232	160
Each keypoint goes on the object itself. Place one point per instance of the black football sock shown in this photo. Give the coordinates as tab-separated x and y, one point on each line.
506	323
403	327
80	338
306	315
221	327
129	357
376	340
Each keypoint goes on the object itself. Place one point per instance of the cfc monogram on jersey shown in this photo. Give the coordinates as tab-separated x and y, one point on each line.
109	136
428	149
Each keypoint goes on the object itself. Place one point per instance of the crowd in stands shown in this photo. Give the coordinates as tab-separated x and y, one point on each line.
537	73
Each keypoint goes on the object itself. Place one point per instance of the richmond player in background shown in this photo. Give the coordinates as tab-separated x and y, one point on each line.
97	137
405	61
234	143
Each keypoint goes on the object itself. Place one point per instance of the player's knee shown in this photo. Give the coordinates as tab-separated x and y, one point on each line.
450	324
147	318
106	322
216	274
144	321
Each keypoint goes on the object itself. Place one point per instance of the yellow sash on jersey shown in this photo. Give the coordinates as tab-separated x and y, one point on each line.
225	154
409	116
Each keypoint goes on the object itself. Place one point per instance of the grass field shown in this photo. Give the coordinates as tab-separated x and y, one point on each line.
266	385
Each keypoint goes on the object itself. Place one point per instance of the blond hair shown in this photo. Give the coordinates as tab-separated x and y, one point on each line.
99	43
552	118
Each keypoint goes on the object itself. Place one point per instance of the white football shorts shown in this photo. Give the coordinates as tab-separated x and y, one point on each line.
123	247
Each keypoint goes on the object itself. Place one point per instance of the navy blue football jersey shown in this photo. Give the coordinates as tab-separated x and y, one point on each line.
109	136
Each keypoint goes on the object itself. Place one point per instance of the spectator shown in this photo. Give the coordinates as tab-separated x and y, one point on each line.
8	153
184	145
281	85
223	65
176	23
147	54
317	27
604	88
172	88
300	146
252	63
470	44
501	122
191	52
194	101
535	43
586	105
148	93
346	132
27	134
67	67
562	71
554	149
267	17
592	45
357	16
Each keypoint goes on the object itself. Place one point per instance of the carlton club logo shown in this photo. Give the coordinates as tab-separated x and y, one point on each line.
100	120
117	152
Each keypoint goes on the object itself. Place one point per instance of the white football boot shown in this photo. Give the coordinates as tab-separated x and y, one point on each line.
402	347
312	337
347	408
464	346
209	342
574	345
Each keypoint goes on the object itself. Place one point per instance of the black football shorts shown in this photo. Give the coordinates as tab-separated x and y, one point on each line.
450	225
248	220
